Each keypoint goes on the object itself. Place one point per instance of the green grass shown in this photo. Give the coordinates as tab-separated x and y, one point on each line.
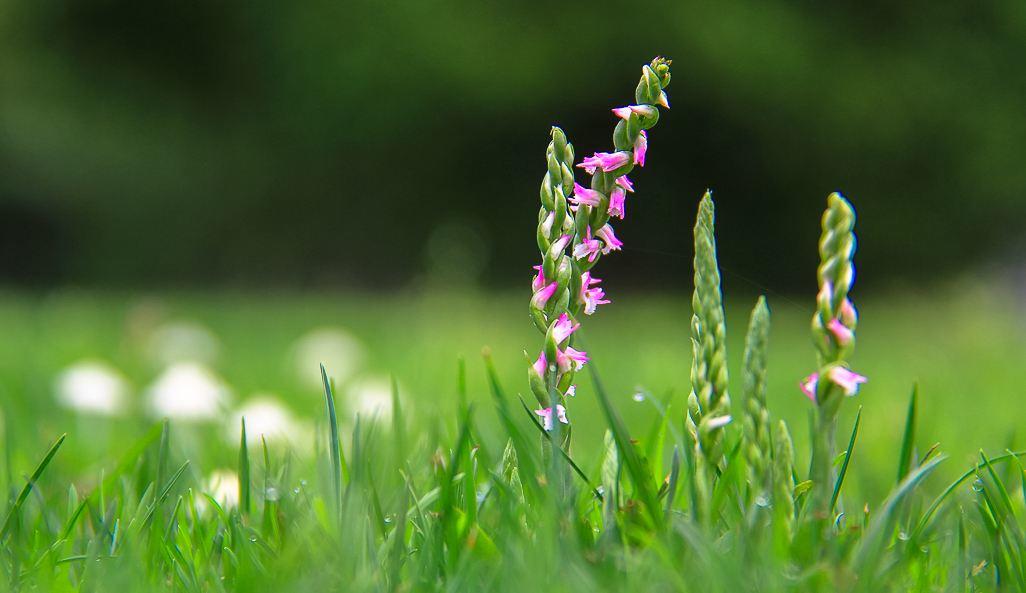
406	521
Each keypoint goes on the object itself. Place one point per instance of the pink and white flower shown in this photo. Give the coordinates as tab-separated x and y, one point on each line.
607	161
841	332
585	196
571	358
571	391
846	379
625	183
591	297
641	110
539	279
609	238
848	315
640	149
560	243
589	248
541	366
563	327
542	296
617	201
809	384
546	416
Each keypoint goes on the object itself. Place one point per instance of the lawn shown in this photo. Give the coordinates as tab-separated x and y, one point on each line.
961	344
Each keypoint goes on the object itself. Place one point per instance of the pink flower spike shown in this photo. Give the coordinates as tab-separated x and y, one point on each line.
809	385
640	148
546	416
563	328
583	195
607	161
616	202
542	296
589	248
847	380
841	332
663	99
612	243
625	183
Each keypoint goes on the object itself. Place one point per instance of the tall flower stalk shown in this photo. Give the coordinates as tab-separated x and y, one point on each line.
758	443
709	402
574	232
833	331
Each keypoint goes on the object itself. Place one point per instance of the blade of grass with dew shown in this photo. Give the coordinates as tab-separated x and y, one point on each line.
928	515
873	543
629	455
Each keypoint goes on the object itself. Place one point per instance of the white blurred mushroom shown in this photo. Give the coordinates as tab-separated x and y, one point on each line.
371	397
340	352
92	387
188	391
223	486
181	341
265	417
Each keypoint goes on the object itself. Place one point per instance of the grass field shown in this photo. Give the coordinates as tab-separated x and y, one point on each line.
962	346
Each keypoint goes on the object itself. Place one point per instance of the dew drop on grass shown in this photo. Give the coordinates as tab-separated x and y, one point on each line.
272	494
762	501
638	397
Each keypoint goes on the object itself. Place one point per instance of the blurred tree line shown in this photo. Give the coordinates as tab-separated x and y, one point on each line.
371	143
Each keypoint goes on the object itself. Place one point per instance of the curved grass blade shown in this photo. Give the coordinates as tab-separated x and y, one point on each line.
24	494
334	446
873	543
937	502
577	469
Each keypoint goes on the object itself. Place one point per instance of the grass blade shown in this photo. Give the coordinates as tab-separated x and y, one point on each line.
629	454
847	458
244	486
334	446
24	494
908	440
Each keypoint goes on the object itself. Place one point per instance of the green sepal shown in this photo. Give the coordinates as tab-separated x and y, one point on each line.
546	193
648	87
559	144
554	166
621	140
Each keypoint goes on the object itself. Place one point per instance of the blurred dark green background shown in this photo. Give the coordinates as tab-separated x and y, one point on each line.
370	143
